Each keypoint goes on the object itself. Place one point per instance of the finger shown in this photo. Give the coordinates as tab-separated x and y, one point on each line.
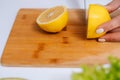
108	26
115	30
110	37
112	6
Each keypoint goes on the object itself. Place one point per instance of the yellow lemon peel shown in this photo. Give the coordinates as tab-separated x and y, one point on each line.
97	15
53	19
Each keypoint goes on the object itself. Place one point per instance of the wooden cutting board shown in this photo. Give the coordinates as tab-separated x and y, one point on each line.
28	45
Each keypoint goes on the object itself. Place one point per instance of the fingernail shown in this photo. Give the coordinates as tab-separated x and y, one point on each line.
100	30
101	40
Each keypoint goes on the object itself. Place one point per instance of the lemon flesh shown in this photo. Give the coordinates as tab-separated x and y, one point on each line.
53	19
97	15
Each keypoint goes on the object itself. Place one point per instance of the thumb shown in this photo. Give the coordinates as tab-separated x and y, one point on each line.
110	37
112	6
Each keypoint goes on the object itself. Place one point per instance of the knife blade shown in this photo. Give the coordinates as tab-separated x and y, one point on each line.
85	8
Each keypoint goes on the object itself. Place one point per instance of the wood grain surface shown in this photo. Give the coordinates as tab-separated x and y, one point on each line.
29	46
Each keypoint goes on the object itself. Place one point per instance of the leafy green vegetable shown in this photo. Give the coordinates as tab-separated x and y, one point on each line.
100	72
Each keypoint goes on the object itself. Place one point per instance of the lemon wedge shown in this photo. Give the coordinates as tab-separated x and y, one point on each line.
53	19
97	15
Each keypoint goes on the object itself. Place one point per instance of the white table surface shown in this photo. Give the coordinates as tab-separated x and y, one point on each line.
8	12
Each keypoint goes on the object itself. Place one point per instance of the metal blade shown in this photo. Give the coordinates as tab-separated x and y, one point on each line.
85	7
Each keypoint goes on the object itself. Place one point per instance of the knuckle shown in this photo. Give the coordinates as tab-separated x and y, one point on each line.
113	24
110	37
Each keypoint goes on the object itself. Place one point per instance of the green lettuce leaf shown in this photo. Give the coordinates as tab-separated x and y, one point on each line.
99	72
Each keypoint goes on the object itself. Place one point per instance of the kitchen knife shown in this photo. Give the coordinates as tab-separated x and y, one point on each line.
86	14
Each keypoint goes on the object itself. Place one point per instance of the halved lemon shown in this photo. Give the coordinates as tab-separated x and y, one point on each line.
53	19
12	78
97	15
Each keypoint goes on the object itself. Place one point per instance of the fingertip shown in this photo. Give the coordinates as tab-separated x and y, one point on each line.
105	38
110	37
109	9
113	5
102	40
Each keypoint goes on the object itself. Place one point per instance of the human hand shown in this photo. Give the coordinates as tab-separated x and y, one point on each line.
112	27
